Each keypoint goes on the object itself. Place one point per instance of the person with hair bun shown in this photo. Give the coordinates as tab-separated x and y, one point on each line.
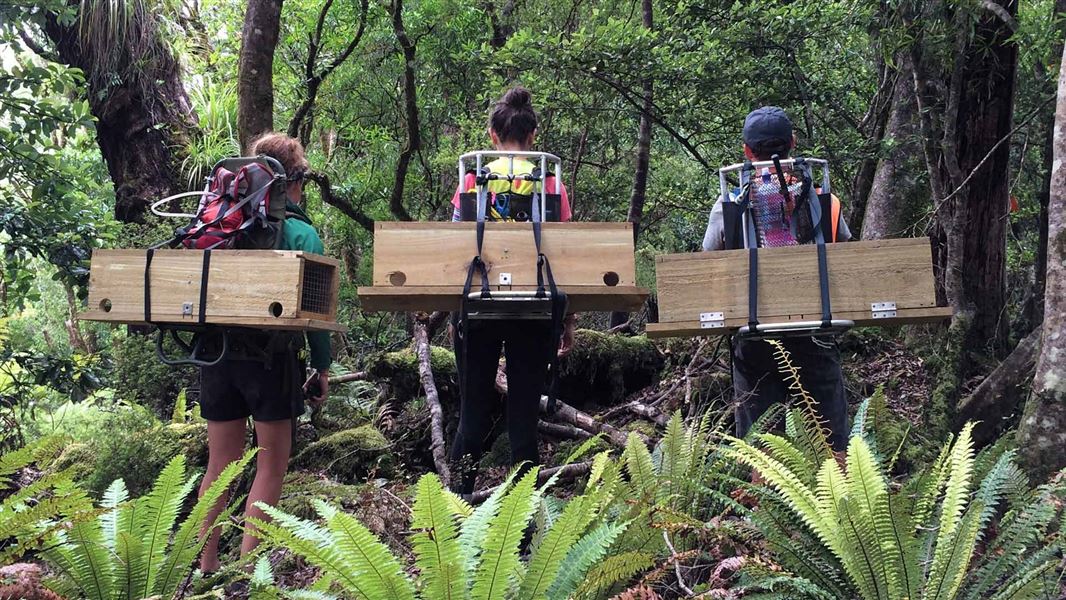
526	343
267	390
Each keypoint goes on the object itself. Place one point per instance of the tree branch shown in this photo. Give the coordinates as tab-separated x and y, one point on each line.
410	99
436	413
341	204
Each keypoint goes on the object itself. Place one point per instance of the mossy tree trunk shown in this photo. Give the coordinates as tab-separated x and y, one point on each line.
1042	434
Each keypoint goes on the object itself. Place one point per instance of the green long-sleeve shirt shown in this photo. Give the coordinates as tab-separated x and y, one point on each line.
300	235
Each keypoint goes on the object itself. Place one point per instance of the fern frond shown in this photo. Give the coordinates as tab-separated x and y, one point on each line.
814	428
928	486
370	559
640	467
304	539
499	556
586	552
155	517
554	547
956	493
800	498
190	538
261	585
435	542
790	456
867	486
612	571
1021	535
131	568
675	453
963	544
115	495
1035	579
93	566
476	526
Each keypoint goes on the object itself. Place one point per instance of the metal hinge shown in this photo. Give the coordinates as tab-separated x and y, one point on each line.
712	320
883	310
186	309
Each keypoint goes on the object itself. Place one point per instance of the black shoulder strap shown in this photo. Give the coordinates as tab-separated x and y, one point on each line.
148	285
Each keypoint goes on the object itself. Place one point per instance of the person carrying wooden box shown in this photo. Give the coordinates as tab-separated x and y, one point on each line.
508	191
746	219
269	389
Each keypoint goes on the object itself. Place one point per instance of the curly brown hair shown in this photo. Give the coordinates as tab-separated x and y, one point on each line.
286	150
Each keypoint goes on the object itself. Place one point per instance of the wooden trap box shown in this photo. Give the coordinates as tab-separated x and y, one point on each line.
268	289
423	266
883	282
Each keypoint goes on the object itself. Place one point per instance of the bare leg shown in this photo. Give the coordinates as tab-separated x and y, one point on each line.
272	461
225	443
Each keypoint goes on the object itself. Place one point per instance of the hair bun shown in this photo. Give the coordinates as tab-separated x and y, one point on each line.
518	97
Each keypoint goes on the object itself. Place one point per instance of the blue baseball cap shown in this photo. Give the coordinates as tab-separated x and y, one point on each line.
766	128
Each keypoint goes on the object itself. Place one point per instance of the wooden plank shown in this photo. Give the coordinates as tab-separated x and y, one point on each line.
904	317
256	323
439	254
897	271
255	288
430	298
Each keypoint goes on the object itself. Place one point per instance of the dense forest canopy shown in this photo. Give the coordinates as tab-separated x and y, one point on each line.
938	118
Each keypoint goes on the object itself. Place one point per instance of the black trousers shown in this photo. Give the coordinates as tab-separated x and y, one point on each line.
527	344
758	384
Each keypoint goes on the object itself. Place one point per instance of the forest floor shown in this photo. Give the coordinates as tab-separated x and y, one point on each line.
694	376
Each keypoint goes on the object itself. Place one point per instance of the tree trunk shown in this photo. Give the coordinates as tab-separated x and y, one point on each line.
976	222
893	181
644	132
255	69
412	128
143	114
969	173
1042	433
640	173
873	127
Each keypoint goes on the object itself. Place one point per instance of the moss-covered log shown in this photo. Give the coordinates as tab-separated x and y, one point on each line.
604	369
400	371
349	456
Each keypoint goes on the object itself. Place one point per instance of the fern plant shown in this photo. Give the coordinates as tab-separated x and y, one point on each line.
137	548
848	531
459	551
31	513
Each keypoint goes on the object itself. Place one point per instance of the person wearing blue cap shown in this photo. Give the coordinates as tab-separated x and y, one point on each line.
757	383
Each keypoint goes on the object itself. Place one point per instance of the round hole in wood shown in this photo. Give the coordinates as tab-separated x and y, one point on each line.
610	278
276	309
397	278
105	305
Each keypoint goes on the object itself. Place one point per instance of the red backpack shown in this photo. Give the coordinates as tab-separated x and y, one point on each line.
242	206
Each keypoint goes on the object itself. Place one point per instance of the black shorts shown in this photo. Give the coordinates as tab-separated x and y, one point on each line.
238	388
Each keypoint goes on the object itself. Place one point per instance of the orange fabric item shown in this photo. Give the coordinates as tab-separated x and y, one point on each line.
835	216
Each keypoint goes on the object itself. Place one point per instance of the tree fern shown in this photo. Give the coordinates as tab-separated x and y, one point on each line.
435	542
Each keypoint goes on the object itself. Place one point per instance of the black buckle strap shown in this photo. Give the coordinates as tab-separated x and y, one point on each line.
205	273
823	285
148	285
753	287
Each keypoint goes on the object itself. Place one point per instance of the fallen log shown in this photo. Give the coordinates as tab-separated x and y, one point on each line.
562	431
565	473
350	377
569	415
436	414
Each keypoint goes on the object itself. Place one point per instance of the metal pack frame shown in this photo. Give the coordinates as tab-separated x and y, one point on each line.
745	172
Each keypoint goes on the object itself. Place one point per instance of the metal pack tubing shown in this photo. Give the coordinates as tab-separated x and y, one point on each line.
795	327
820	162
